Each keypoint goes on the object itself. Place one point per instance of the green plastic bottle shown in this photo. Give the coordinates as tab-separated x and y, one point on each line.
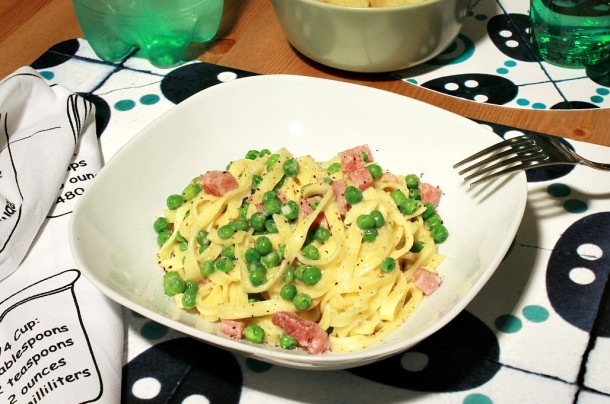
161	29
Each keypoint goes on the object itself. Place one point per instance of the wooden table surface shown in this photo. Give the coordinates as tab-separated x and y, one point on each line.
251	39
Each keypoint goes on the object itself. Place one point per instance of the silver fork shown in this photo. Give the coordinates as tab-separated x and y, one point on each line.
521	153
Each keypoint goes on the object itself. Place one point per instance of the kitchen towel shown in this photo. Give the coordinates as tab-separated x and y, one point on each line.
60	338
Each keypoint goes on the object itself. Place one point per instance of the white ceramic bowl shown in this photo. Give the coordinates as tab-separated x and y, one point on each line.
371	40
114	244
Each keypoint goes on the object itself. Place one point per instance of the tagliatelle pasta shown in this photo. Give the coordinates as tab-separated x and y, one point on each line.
292	252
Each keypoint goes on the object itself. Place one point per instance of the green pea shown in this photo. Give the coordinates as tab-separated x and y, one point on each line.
365	222
254	297
253	154
439	233
415	194
302	301
287	342
353	195
290	210
191	191
288	291
310	237
160	224
269	195
408	206
378	218
388	264
312	275
202	237
265	152
280	183
322	234
226	231
270	226
271	260
170	274
369	235
256	274
412	181
291	168
252	255
398	196
311	252
241	224
256	266
207	268
189	299
263	245
257	221
290	274
434	221
163	236
333	168
430	210
417	246
225	264
174	201
184	245
375	170
254	333
281	250
299	271
174	285
365	156
272	207
272	160
190	285
256	181
229	251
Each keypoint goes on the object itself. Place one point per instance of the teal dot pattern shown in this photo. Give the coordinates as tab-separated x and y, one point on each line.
152	330
508	324
572	205
258	366
559	190
535	313
125	105
477	398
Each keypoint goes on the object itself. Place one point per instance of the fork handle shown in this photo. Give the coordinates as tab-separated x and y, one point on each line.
593	164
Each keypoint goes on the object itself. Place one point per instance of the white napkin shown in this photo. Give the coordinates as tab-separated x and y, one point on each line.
60	338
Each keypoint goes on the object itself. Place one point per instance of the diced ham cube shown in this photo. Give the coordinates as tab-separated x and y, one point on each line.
352	159
308	334
430	194
426	280
389	177
218	183
233	328
362	178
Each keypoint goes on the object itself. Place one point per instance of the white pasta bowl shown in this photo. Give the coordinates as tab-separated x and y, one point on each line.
114	244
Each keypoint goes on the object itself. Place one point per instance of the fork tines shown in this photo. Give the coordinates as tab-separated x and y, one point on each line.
518	153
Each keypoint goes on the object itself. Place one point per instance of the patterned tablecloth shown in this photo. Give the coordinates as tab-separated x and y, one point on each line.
538	332
492	61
